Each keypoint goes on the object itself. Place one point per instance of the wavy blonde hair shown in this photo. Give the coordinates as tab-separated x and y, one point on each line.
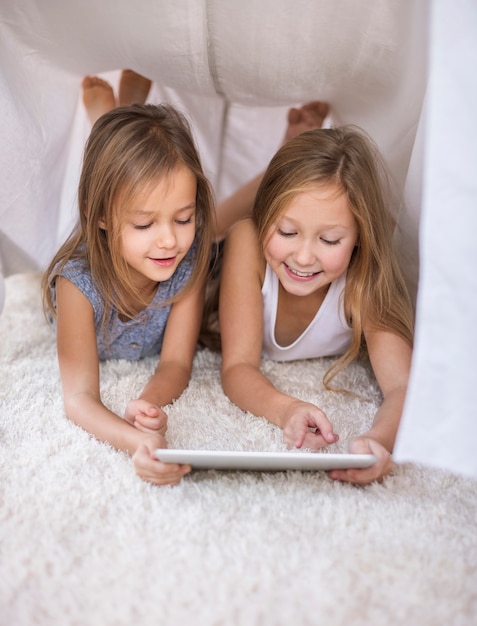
375	288
129	150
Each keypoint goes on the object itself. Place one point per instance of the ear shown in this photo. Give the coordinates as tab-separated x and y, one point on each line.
102	224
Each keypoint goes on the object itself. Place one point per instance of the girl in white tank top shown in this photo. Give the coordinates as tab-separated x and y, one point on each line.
314	273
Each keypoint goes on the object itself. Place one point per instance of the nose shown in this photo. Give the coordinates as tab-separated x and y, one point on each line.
165	236
305	253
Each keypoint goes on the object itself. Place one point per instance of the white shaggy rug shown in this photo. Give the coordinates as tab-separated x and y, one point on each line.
83	541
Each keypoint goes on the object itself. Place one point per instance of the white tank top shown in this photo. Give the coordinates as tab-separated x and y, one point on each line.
327	335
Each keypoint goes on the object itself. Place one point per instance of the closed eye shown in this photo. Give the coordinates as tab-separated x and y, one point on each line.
142	226
285	233
187	221
330	242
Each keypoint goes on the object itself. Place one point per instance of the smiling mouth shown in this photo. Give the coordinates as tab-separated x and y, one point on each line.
301	274
164	262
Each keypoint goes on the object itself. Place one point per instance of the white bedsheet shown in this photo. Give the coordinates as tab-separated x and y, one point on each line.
235	68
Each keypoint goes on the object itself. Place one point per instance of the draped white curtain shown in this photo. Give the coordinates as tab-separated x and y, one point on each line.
234	68
439	425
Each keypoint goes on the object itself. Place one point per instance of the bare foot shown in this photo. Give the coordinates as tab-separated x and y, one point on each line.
310	115
133	88
98	97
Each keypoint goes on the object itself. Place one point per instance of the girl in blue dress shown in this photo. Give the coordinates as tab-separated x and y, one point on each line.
129	281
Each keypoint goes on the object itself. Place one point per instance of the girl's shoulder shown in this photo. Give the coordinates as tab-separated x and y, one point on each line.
243	246
244	229
75	265
243	236
77	271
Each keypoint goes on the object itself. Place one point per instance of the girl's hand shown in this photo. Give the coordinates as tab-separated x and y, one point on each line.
381	468
307	425
146	417
150	469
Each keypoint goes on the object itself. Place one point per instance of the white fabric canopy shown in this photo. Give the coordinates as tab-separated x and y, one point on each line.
439	425
235	68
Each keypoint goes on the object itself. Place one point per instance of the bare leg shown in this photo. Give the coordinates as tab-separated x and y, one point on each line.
98	97
133	88
239	205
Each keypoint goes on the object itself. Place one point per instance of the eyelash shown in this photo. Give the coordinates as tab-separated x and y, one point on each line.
326	241
146	226
284	234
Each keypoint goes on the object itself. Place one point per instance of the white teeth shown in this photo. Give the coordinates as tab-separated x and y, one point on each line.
301	274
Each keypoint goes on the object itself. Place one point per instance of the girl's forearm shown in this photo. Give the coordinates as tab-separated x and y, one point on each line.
168	382
99	421
250	390
386	422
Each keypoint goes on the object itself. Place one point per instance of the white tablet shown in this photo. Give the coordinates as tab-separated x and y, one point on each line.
263	461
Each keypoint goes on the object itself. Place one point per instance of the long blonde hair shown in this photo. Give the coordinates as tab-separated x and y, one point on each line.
129	149
375	288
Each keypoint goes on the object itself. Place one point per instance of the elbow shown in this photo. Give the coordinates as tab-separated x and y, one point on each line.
228	379
72	410
224	378
79	405
396	391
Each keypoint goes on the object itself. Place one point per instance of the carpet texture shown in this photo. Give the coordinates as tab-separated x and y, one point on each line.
84	541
